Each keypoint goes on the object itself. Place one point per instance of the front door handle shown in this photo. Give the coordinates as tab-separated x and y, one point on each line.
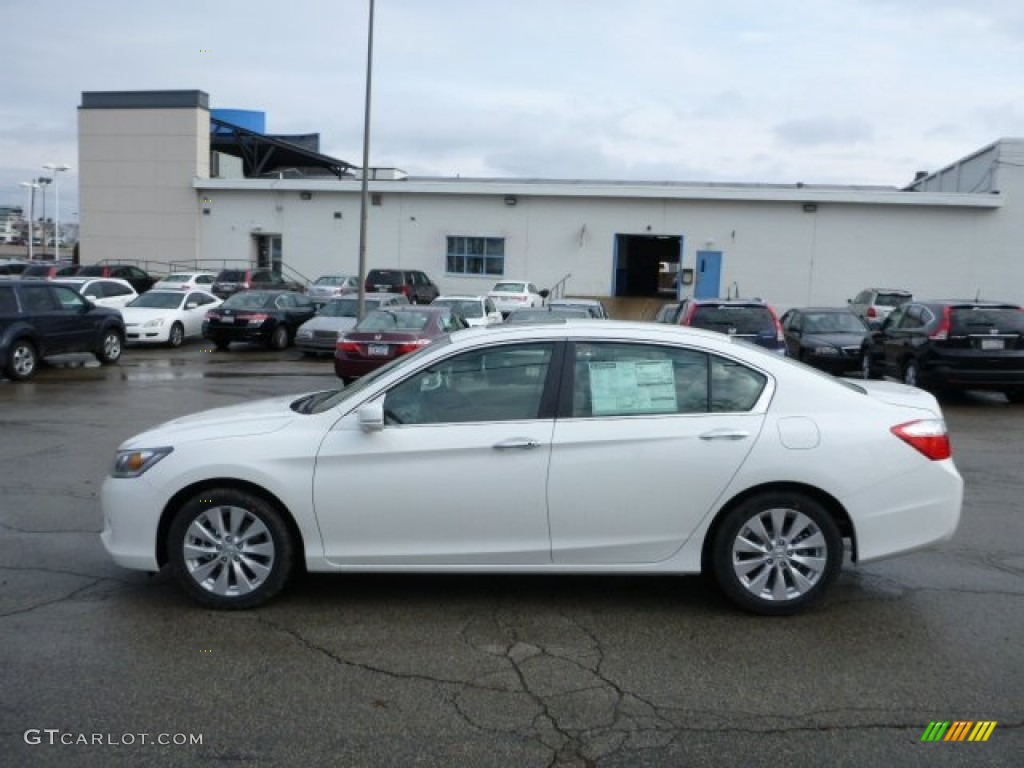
516	442
725	434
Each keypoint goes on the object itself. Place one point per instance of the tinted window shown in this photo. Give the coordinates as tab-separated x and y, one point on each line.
384	277
68	298
159	300
752	319
832	322
250	300
231	276
94	270
615	379
116	289
734	387
891	299
38	299
503	384
965	321
384	320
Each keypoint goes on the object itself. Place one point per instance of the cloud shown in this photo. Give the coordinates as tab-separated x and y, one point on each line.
822	130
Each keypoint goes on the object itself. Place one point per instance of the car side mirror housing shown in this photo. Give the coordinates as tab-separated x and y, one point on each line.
544	293
371	416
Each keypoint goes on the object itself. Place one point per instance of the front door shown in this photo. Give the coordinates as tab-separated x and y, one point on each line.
709	275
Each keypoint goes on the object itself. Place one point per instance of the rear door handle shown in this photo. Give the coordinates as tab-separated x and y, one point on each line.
725	434
516	442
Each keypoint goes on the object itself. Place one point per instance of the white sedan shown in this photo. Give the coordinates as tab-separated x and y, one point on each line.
167	317
510	295
633	448
186	281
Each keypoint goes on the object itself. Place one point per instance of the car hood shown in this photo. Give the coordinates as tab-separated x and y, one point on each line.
834	339
895	393
143	314
256	418
329	324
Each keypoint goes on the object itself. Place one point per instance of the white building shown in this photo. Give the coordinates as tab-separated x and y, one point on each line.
148	194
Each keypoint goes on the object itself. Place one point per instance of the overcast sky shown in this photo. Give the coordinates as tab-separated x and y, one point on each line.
776	91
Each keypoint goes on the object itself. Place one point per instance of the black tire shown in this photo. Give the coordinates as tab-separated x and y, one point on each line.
111	346
867	370
776	572
221	344
176	336
222	572
279	338
911	374
22	361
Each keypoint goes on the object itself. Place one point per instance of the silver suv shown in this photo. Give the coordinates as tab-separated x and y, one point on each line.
873	305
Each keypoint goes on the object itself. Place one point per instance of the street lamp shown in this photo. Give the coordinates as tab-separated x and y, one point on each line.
56	168
31	214
361	306
43	182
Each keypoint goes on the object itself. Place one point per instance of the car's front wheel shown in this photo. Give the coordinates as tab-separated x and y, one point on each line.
230	549
22	360
278	337
776	553
110	347
176	335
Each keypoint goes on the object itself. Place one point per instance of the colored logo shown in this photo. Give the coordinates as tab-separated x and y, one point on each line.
959	730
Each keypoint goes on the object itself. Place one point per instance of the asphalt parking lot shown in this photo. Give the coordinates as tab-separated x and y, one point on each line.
101	666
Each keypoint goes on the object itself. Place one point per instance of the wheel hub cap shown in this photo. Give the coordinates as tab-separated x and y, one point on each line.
779	555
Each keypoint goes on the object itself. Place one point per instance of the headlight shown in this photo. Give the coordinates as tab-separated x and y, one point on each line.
826	351
154	323
134	462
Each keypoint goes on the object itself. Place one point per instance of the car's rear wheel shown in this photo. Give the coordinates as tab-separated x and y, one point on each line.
110	347
278	337
911	374
22	360
176	335
776	553
230	549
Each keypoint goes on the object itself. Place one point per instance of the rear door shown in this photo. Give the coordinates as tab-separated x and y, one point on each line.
648	438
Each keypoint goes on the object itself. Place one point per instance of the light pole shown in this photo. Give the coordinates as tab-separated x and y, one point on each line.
364	197
56	168
44	182
31	214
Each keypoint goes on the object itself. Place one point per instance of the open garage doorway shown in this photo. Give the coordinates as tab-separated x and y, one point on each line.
646	265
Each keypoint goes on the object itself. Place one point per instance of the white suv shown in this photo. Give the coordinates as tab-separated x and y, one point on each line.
873	305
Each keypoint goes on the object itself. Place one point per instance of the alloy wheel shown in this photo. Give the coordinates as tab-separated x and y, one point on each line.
779	555
228	551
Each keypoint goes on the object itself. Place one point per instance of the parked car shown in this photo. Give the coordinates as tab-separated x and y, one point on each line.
527	316
386	334
45	270
327	287
413	284
13	267
186	281
475	310
829	338
264	317
951	345
320	333
593	306
167	316
101	291
749	320
668	313
39	319
139	279
508	295
462	457
873	305
230	281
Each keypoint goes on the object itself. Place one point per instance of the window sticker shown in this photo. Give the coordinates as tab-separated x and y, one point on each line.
622	388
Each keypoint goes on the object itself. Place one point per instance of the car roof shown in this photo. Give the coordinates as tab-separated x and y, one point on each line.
732	302
900	291
967	303
75	280
458	297
821	309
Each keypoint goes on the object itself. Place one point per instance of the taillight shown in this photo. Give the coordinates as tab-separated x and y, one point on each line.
779	335
929	436
411	346
942	332
688	317
872	312
258	318
211	315
407	291
348	347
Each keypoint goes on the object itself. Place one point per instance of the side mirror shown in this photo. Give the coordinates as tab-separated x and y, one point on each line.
544	293
371	416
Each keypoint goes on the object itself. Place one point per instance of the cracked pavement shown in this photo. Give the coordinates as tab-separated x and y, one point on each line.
402	670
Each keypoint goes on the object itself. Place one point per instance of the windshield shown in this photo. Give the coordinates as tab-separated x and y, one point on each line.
177	278
249	300
388	320
509	288
331	280
833	322
323	401
464	307
158	300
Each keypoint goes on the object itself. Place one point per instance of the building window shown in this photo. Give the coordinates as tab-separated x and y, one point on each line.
476	256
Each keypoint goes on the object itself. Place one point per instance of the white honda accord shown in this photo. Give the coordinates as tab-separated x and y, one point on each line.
577	447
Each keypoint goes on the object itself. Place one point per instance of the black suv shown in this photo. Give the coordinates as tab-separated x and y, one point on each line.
949	344
230	281
411	283
39	319
751	320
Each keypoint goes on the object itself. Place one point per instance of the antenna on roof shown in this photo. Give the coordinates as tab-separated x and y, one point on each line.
977	294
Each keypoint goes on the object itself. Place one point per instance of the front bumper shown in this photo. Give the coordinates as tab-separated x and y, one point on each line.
131	518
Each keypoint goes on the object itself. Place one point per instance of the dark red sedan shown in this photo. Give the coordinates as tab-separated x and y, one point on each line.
385	334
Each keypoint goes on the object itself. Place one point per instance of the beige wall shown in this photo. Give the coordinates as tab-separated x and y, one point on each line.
136	169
